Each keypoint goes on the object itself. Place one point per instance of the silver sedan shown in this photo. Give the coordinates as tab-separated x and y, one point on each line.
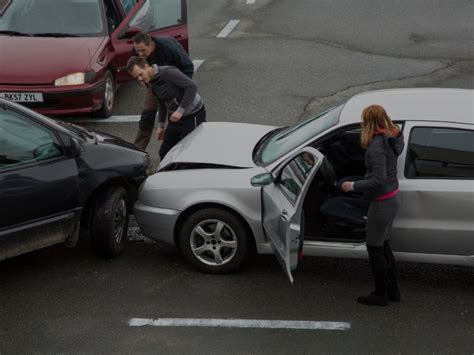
229	189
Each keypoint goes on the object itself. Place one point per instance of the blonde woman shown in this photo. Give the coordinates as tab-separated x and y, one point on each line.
384	143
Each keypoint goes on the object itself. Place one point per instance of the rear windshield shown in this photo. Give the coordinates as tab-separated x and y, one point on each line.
53	18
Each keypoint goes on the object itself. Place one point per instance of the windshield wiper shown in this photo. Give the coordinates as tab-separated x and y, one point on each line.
54	34
15	33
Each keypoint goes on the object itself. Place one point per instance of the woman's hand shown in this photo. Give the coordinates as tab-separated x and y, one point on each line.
348	186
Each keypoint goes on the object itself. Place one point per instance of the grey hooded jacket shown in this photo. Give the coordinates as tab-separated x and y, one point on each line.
381	163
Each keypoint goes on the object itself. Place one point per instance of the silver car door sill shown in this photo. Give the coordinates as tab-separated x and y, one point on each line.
332	244
335	249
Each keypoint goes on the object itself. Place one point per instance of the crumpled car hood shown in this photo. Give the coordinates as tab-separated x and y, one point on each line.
224	143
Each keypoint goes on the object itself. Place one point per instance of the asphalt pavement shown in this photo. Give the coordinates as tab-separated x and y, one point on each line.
283	61
67	300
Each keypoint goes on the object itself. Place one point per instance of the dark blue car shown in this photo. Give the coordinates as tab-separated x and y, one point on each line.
57	179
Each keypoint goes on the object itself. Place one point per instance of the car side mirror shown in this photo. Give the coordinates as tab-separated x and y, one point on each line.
132	31
262	179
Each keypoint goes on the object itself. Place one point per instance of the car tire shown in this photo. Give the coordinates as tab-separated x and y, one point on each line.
212	251
109	225
108	99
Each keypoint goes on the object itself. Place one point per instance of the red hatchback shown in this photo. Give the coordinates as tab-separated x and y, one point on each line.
65	57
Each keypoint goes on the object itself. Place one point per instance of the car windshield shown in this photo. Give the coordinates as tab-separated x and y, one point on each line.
53	18
284	141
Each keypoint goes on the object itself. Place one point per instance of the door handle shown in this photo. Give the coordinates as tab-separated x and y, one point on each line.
284	215
178	36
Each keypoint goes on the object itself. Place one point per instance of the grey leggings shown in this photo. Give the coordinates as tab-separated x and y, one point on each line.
380	219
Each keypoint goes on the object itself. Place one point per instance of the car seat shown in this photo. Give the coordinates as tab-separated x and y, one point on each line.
346	210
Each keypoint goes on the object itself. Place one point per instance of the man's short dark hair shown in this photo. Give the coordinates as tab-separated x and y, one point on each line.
138	61
142	37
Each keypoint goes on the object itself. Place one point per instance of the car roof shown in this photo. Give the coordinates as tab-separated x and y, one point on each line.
416	104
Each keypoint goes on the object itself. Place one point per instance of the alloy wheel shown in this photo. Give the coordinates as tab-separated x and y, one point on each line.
213	242
120	220
109	94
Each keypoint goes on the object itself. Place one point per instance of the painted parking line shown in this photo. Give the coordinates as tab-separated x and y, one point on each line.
228	28
239	323
197	63
249	2
125	118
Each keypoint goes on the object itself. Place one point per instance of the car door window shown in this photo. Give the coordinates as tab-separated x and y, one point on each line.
154	15
24	142
294	175
440	153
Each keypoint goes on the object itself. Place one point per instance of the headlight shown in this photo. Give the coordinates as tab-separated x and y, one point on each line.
71	79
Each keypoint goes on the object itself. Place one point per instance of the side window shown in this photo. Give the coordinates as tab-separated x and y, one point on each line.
294	175
440	153
24	142
154	15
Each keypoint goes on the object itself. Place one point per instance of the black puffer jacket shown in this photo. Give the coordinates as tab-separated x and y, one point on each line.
381	163
168	51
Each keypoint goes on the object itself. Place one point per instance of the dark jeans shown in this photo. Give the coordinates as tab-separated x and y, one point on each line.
147	118
175	131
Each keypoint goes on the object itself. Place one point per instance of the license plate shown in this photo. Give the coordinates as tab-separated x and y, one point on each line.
22	96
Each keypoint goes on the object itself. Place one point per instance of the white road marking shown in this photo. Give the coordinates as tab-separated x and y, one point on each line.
250	2
197	63
228	28
124	118
239	323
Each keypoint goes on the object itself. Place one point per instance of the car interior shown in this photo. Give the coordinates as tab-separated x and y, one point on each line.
113	15
343	157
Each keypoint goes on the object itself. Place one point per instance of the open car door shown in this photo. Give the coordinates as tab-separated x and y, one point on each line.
157	18
283	206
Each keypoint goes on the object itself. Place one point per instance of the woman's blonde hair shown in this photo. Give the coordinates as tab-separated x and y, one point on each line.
375	119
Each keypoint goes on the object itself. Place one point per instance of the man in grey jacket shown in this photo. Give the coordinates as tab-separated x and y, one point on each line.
177	98
157	50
